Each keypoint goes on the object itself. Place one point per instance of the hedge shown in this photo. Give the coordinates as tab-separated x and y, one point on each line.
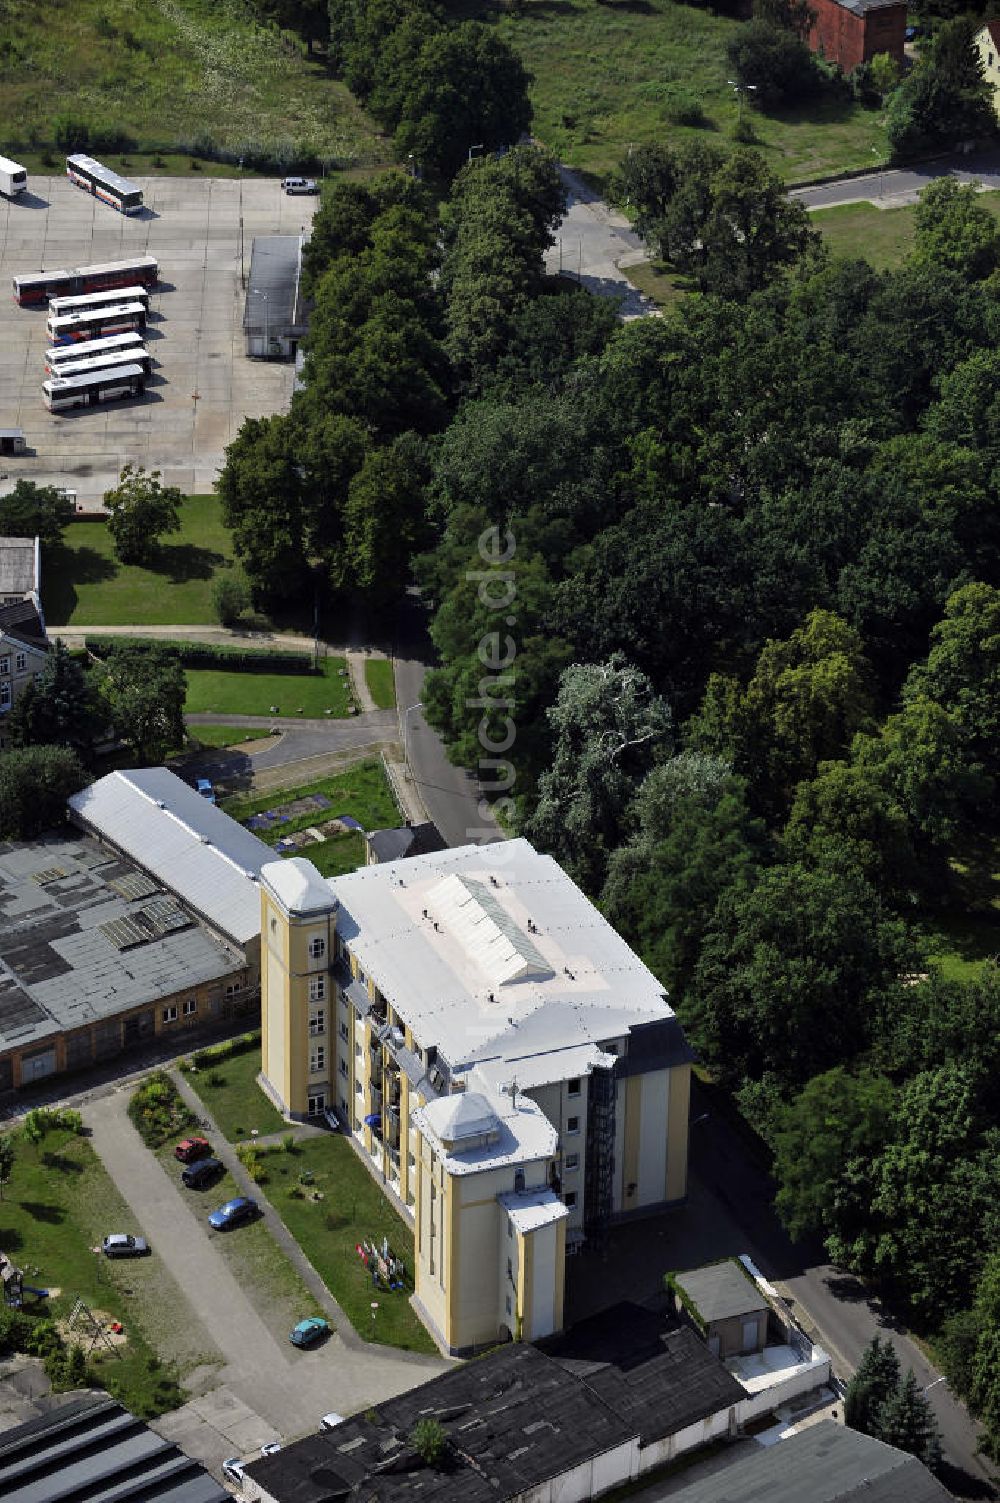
208	655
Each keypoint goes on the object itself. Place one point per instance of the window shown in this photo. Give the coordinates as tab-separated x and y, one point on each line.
343	1105
610	1048
316	1104
20	662
573	1124
510	1231
317	988
572	1161
570	1199
190	1007
4	696
317	1021
344	1033
317	948
274	925
233	988
170	1014
573	1087
343	1068
5	664
317	1058
507	1304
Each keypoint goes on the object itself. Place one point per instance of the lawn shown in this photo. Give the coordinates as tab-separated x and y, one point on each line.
883	236
361	791
58	1205
83	584
959	946
657	282
237	1102
328	1230
172	74
217	691
610	75
381	682
223	735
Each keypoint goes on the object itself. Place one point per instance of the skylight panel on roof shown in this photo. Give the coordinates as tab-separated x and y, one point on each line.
125	933
490	936
133	885
166	916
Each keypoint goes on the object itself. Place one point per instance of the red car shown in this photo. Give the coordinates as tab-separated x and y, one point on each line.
190	1149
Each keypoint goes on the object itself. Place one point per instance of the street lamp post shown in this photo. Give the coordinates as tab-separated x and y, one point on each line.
881	168
406	728
741	91
258	292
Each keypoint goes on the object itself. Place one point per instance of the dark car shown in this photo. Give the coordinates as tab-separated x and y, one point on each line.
201	1173
189	1149
120	1245
233	1213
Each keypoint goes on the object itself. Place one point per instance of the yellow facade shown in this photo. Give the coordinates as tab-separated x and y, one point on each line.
988	47
296	1004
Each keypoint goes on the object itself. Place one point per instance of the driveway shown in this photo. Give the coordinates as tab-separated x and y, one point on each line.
266	1388
593	243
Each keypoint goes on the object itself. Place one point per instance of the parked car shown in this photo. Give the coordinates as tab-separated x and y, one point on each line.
189	1149
331	1421
309	1331
206	790
201	1173
300	185
121	1245
271	1448
233	1213
233	1469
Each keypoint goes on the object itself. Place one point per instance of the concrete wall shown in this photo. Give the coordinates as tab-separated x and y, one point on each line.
730	1333
812	1375
659	1452
589	1480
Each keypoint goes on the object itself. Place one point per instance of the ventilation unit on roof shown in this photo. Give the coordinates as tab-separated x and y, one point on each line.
204	840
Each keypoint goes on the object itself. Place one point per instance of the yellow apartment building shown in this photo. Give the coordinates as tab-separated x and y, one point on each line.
988	46
502	1057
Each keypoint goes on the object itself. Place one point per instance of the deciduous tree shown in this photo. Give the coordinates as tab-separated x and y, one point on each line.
143	688
142	511
57	708
35	782
30	510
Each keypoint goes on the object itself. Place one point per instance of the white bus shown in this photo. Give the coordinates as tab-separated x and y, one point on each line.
62	393
109	362
72	328
104	184
37	286
84	302
13	178
65	354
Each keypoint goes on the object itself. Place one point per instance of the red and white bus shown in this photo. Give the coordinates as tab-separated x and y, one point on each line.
107	362
39	286
96	386
88	300
108	186
68	354
73	328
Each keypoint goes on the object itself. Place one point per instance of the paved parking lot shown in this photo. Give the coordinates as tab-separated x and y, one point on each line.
203	385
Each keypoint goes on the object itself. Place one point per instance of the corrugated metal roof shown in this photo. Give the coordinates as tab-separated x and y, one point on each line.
183	840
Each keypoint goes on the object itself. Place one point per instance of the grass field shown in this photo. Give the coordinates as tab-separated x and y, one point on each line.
58	1205
884	237
224	735
381	682
609	75
328	1230
361	791
214	691
83	584
237	1103
169	72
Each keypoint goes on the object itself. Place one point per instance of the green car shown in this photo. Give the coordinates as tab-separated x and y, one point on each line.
309	1331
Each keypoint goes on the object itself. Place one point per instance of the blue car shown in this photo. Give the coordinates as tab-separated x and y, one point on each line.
233	1213
309	1331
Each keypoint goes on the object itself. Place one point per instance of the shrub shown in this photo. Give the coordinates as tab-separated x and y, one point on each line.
428	1440
230	597
207	655
216	1053
157	1111
215	1078
69	134
682	108
288	1142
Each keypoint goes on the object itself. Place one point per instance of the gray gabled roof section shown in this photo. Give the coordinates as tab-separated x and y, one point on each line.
721	1291
93	1448
825	1463
184	841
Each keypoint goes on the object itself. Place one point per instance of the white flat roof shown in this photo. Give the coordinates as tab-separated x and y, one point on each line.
531	1209
585	986
297	885
524	1133
212	862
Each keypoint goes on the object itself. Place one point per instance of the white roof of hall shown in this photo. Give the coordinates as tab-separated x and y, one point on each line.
512	967
208	859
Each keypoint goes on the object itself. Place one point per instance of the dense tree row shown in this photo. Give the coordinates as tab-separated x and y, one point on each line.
443	88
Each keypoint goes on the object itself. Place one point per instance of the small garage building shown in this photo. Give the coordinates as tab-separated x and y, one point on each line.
726	1305
274	314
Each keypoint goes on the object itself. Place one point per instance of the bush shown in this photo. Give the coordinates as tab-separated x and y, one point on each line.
43	1119
245	1043
35	782
288	1143
70	134
683	108
230	597
428	1439
157	1111
774	63
207	655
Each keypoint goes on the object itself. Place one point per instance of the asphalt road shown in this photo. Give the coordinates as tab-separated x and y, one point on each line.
592	244
836	1305
902	185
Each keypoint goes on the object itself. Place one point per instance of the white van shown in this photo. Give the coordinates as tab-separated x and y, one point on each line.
300	185
13	178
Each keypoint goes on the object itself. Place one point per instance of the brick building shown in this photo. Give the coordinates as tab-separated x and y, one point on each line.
849	32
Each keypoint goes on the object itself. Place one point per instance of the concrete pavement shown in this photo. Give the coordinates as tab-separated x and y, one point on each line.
593	243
